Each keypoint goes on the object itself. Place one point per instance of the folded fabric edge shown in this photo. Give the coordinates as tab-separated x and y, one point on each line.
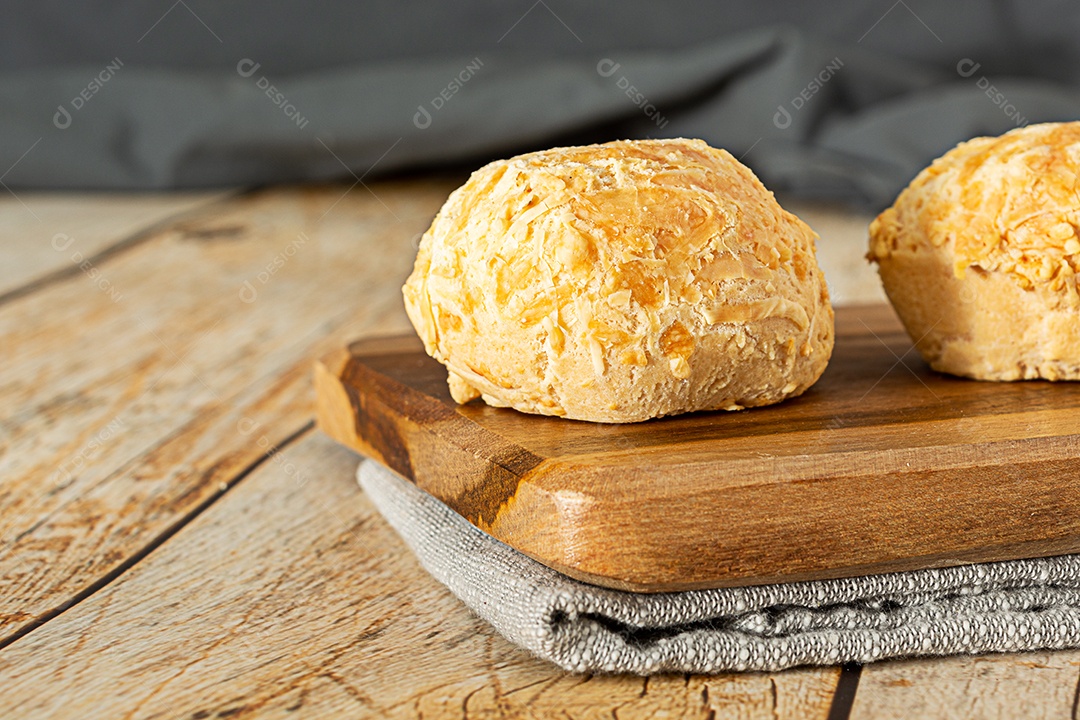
1021	605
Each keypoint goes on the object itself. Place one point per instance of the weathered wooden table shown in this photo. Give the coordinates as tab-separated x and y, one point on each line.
176	540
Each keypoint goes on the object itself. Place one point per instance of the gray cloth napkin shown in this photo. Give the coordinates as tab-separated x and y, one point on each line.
988	607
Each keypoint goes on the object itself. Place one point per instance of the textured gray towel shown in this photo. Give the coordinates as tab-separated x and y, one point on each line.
989	607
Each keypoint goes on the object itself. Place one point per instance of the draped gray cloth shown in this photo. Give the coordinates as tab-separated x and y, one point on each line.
832	99
987	607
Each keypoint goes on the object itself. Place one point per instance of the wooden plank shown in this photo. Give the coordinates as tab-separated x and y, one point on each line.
1028	685
43	232
291	595
882	466
129	407
47	232
841	250
802	693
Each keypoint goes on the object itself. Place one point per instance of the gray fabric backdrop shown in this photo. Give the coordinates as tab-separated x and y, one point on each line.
828	99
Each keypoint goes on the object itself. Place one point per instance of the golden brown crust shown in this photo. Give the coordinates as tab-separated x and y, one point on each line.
620	282
979	256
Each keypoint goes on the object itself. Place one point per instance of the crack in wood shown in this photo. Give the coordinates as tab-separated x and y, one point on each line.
130	242
156	542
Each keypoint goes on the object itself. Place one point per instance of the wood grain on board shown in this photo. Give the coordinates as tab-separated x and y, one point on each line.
292	597
883	465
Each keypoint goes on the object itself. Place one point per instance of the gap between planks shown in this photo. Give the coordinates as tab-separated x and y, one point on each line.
160	539
335	616
177	369
128	242
844	694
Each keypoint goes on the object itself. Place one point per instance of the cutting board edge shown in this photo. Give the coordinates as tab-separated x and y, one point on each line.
542	478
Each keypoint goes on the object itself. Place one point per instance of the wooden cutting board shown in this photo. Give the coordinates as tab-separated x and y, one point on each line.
883	465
